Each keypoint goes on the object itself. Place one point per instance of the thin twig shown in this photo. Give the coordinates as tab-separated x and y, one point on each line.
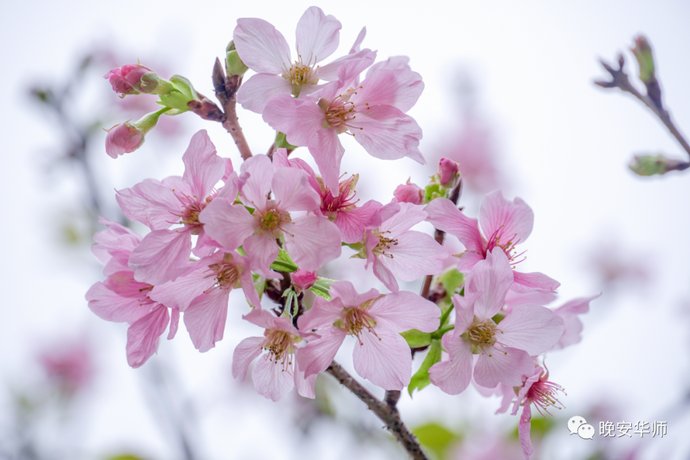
620	80
225	87
387	414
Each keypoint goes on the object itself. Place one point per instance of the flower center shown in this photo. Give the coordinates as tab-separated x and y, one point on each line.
332	205
300	75
338	113
495	241
190	217
355	319
384	245
272	219
481	335
544	394
227	273
280	347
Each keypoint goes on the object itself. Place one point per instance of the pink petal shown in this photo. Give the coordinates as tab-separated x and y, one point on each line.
490	280
161	256
228	224
205	318
415	255
203	167
407	216
444	215
392	82
293	192
262	249
385	275
299	119
317	36
180	292
502	365
113	307
536	280
321	315
174	323
255	93
261	47
312	241
245	352
347	68
531	328
524	431
328	152
318	354
453	375
143	335
511	221
352	223
405	310
249	289
385	132
151	203
306	387
257	174
572	325
271	379
384	358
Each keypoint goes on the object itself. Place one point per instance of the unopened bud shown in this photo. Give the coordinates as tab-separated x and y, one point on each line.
651	165
645	58
133	79
448	172
127	137
408	193
233	62
303	279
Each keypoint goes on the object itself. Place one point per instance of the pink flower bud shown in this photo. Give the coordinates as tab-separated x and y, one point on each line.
303	279
123	138
408	193
129	79
448	170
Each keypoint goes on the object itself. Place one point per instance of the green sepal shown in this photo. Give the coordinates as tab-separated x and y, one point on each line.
420	379
322	288
282	143
284	263
416	338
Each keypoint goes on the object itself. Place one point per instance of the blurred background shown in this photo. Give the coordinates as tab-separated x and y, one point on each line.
508	94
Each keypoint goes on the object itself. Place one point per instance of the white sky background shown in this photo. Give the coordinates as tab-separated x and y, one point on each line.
565	144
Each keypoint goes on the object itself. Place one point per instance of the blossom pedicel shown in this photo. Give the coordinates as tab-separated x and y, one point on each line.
271	227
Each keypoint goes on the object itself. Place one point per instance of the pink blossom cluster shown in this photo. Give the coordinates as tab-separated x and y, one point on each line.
276	223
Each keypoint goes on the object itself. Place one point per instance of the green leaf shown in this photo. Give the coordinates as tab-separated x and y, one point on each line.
451	281
416	338
436	438
322	288
284	263
421	378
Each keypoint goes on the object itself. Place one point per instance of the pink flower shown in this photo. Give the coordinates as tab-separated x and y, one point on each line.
381	354
373	112
264	50
128	79
504	349
175	201
504	225
123	138
342	208
408	193
535	389
202	294
395	251
121	298
275	372
311	240
68	365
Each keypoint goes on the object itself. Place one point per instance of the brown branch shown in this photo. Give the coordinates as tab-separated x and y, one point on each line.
226	88
619	79
387	414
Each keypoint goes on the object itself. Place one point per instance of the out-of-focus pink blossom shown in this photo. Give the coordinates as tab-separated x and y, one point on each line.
69	365
275	371
381	354
123	138
570	313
